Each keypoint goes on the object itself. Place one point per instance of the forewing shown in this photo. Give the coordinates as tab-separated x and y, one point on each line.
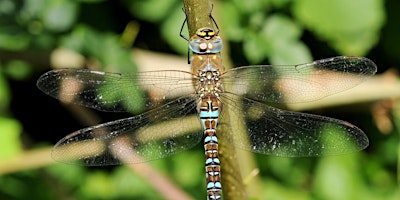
299	83
114	91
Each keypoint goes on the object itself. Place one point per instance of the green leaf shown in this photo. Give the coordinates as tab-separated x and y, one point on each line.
72	175
124	180
18	69
98	185
256	47
60	15
280	27
14	41
4	91
230	22
7	7
188	169
31	10
338	173
151	10
351	27
9	137
279	40
76	39
280	3
170	31
289	52
91	1
251	6
284	37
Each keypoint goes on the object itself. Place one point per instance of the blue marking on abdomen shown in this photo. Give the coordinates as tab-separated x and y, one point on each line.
208	114
211	138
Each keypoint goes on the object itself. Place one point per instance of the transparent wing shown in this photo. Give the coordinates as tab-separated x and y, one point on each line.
278	132
113	91
159	133
299	83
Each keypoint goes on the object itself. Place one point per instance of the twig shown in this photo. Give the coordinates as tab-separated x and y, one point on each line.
159	181
27	160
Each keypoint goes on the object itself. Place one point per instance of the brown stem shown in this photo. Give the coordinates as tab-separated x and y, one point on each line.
198	16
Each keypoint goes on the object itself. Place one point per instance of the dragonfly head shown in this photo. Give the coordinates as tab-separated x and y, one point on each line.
205	41
206	33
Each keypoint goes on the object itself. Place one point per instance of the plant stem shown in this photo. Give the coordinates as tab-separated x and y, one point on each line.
198	16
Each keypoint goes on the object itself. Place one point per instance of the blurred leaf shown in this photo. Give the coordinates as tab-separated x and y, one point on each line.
25	185
4	91
284	37
31	10
10	144
295	52
281	168
81	38
279	40
170	31
230	24
91	1
125	179
276	190
280	3
18	69
44	40
256	48
14	41
280	27
60	15
379	178
7	7
251	6
351	27
113	55
338	173
98	186
152	10
71	175
106	47
189	169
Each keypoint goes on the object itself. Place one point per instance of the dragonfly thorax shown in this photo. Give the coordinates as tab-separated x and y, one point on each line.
208	83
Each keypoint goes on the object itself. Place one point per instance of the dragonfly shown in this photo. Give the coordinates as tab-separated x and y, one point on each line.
202	101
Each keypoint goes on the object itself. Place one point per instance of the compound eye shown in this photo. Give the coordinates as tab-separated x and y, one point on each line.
216	46
196	46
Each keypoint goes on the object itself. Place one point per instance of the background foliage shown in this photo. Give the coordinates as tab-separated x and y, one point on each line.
35	34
